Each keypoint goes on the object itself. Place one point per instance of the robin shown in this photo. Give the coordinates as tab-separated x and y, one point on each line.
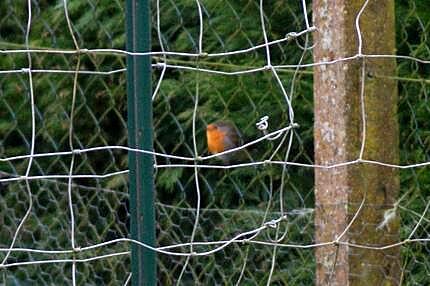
222	136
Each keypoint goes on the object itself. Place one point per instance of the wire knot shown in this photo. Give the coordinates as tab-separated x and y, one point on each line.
82	51
160	65
291	35
272	223
263	124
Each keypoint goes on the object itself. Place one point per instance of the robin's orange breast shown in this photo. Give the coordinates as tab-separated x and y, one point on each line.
215	139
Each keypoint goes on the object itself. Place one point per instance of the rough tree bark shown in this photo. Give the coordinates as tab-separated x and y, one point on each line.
338	135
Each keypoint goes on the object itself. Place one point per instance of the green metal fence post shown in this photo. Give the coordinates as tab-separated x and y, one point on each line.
141	181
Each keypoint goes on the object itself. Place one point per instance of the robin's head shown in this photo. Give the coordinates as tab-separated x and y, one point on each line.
211	127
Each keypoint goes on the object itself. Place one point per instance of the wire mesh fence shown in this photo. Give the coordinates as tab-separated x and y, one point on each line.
251	223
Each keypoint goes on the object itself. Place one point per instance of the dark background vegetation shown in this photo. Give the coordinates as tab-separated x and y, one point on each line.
232	201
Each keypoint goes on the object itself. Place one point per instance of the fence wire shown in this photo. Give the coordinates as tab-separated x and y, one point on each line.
251	224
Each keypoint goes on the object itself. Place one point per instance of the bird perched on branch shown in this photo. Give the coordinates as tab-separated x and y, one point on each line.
222	136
